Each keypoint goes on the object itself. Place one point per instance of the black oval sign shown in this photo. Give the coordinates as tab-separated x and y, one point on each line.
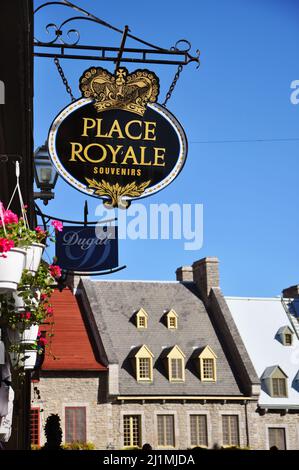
115	154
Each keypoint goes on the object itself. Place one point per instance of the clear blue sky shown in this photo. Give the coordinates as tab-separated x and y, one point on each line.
249	57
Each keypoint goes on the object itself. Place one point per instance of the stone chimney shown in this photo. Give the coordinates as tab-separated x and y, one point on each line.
291	292
206	275
184	274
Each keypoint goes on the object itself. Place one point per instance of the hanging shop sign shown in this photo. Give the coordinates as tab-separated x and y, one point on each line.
87	249
117	143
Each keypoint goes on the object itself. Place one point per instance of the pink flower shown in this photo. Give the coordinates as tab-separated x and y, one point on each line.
5	246
9	217
55	271
42	341
49	310
57	225
41	234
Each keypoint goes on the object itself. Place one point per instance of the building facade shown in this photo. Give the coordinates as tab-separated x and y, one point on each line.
167	366
269	328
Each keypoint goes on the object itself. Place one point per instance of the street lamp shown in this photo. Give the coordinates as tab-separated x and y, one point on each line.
45	174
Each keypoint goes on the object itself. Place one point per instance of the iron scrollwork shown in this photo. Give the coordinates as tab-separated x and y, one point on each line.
65	40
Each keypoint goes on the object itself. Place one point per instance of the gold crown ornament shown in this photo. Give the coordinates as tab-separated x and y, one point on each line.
130	92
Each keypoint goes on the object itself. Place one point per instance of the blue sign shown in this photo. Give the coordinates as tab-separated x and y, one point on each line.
87	249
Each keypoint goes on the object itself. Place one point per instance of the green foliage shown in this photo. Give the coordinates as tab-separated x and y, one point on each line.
35	291
19	233
34	447
77	445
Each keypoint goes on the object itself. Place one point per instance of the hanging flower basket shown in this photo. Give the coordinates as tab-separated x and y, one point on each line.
29	335
23	356
25	336
23	360
33	257
29	359
11	268
26	299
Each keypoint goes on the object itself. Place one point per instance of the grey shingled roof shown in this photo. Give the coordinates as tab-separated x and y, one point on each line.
113	305
269	371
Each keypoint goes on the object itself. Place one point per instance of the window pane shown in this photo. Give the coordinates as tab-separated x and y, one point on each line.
144	368
132	431
208	368
288	339
34	426
198	427
176	369
282	387
166	430
142	322
277	438
279	387
75	424
172	322
230	430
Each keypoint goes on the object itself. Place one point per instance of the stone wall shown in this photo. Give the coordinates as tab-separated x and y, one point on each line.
59	390
259	425
105	420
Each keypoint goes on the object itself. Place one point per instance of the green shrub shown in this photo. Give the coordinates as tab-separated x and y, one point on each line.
34	447
235	448
77	445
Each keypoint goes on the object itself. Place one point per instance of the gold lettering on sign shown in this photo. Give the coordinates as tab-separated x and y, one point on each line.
121	154
76	149
87	126
150	129
159	156
128	132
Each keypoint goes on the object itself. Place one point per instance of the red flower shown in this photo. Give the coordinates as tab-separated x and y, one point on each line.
57	225
5	246
55	271
49	310
25	316
43	296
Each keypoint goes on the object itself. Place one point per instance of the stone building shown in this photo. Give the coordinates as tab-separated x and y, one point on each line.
270	330
156	362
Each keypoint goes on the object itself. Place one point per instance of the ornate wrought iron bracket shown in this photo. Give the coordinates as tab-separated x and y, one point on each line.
63	46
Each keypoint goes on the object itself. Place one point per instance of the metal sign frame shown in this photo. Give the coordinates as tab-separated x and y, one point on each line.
45	220
64	47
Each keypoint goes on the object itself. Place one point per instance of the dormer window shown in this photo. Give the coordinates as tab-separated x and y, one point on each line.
274	382
143	359
172	320
175	363
207	365
285	335
288	339
141	319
